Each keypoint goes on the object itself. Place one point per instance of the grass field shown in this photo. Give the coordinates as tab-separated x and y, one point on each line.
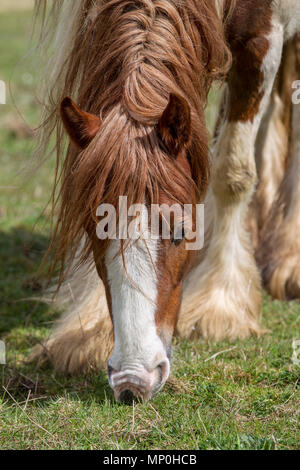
241	395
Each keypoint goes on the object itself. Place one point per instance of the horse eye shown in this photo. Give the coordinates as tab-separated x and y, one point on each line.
177	242
179	238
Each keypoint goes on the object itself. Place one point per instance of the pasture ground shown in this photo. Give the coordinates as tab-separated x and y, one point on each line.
241	395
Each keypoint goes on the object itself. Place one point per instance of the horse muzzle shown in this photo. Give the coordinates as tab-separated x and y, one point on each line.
139	384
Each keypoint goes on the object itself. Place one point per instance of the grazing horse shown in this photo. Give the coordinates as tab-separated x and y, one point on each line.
140	72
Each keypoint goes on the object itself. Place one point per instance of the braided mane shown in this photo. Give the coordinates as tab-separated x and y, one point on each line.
121	59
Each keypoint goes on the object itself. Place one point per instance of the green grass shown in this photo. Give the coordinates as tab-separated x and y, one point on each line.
244	397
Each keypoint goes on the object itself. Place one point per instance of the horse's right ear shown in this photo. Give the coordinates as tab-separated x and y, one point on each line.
81	126
174	126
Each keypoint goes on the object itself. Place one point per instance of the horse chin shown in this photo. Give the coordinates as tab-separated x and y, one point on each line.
129	393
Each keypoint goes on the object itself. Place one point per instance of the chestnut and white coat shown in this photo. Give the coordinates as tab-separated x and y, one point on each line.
154	287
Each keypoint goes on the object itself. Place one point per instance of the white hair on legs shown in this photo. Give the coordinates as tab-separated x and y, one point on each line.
82	338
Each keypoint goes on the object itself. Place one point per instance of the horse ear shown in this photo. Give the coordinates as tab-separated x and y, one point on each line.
175	124
81	126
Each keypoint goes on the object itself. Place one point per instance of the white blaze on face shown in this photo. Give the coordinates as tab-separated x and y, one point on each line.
133	290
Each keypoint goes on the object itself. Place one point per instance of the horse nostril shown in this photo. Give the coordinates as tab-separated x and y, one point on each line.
163	370
127	397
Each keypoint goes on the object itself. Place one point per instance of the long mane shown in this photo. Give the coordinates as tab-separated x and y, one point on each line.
120	59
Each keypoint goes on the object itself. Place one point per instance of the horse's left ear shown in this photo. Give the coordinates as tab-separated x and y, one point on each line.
81	126
175	124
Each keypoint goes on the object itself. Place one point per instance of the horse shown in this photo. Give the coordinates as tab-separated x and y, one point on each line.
140	72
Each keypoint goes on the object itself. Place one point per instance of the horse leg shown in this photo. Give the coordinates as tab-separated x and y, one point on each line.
82	338
279	252
223	294
271	148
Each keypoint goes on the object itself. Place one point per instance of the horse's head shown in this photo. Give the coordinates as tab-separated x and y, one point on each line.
143	275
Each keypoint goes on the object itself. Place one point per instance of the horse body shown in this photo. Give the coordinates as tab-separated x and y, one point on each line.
142	135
